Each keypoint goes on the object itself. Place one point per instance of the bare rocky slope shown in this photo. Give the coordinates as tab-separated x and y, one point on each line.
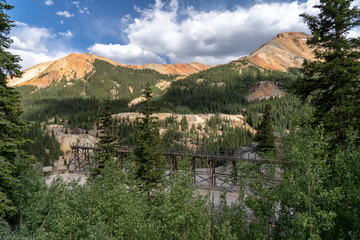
286	50
264	90
78	65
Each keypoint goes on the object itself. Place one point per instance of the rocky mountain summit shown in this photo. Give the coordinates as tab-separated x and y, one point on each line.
286	50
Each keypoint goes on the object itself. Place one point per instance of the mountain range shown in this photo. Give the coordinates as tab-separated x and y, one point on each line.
79	65
286	50
72	90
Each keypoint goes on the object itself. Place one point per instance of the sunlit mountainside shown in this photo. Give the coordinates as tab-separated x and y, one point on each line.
73	88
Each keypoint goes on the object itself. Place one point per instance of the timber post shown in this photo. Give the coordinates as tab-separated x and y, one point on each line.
193	167
234	175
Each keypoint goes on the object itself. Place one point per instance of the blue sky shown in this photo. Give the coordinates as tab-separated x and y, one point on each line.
144	31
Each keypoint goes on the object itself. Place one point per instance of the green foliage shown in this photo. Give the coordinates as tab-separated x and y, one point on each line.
265	134
108	139
182	214
148	152
331	82
11	125
79	100
346	176
7	183
41	141
184	124
307	201
218	89
112	207
81	112
298	198
283	111
221	137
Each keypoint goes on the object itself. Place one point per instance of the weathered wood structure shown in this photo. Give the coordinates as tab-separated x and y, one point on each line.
204	176
80	155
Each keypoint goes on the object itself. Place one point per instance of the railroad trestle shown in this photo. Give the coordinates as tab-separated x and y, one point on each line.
206	176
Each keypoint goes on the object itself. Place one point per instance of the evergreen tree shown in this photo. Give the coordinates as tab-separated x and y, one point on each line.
149	158
11	125
108	139
331	82
265	134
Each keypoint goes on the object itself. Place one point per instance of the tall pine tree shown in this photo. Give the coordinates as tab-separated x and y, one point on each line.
265	134
11	125
332	85
108	143
331	82
148	152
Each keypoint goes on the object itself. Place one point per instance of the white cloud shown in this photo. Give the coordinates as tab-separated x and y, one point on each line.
67	34
29	38
49	2
126	54
84	10
168	30
65	14
62	21
81	9
185	35
35	45
30	58
76	3
355	33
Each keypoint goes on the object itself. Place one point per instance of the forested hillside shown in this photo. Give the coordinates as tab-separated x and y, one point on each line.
78	101
223	89
218	134
43	146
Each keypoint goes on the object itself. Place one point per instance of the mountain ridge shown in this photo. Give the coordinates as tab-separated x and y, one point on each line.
285	50
78	65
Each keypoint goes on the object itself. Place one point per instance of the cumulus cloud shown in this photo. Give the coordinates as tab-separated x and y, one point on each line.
49	2
35	45
186	34
64	14
129	54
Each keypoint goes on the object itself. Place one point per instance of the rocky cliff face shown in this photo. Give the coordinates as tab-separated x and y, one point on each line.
264	90
78	65
286	50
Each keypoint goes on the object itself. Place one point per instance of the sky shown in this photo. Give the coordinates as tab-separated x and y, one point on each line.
151	31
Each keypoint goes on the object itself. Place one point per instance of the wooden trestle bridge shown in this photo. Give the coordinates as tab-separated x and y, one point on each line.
205	176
